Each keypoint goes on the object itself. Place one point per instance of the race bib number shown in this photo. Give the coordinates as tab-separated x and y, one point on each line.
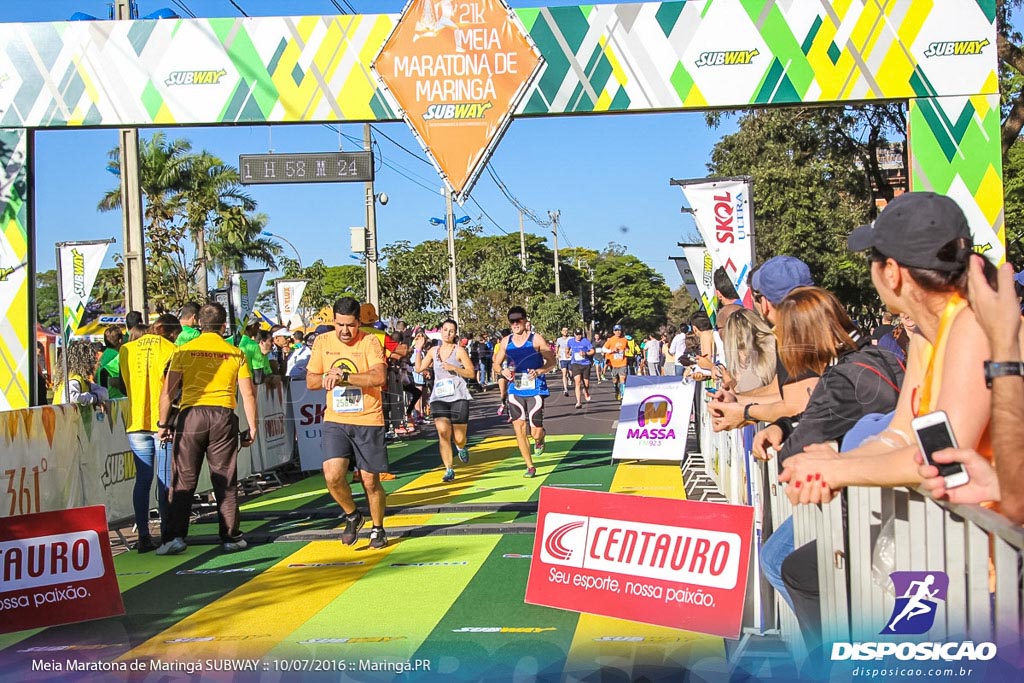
618	355
524	381
579	357
347	399
443	388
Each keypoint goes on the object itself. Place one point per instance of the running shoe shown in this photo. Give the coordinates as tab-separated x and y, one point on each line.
501	409
235	546
565	393
531	472
538	450
587	397
145	545
578	406
175	546
378	539
463	454
449	476
353	523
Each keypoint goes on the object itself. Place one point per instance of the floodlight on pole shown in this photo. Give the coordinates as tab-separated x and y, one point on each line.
298	258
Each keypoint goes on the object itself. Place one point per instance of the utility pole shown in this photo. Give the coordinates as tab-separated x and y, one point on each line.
554	230
372	289
591	301
131	205
453	288
522	241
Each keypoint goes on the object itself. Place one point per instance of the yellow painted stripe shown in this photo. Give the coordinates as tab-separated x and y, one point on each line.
650	644
268	608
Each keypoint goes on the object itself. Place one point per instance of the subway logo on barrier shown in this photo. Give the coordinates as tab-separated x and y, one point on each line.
47	560
953	48
208	77
696	556
465	111
727	58
119	467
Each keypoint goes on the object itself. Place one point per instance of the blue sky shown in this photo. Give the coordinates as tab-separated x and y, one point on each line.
608	175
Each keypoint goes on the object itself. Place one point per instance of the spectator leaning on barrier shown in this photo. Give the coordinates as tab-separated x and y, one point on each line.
79	390
144	363
749	350
209	374
788	395
998	313
857	378
919	249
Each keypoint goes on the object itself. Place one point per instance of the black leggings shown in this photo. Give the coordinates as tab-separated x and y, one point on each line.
414	395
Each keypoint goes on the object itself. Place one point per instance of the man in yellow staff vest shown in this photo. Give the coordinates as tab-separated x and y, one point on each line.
209	373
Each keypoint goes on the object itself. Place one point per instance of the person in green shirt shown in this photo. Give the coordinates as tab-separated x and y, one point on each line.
189	317
108	371
255	344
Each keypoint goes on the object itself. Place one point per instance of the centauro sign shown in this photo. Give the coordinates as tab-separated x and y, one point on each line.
56	568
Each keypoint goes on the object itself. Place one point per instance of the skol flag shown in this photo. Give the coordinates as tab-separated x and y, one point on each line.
78	264
721	210
289	294
245	287
703	267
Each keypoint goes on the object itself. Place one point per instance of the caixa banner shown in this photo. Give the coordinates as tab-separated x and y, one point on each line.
675	563
56	568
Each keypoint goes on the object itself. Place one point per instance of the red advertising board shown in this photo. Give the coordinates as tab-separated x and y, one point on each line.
56	568
676	563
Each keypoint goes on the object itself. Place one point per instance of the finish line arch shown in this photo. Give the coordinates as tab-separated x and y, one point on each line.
597	59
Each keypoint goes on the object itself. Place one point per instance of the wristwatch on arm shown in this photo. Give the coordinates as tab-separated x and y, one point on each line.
746	412
995	369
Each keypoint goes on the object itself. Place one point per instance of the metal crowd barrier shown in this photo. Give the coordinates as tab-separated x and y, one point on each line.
981	551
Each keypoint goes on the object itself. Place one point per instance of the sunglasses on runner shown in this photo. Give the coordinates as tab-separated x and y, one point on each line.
513	321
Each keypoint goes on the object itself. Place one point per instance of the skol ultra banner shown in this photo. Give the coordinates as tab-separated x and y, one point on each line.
654	419
721	210
676	563
289	294
306	408
78	264
57	569
245	287
458	70
702	265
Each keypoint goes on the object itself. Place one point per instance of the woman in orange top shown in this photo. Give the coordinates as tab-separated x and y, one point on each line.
918	250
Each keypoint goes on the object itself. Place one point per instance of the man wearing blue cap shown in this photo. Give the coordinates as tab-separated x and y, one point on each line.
788	395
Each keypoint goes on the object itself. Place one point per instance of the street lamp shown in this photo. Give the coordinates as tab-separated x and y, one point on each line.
451	221
267	233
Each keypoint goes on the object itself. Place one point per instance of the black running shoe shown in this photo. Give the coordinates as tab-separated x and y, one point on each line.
353	523
378	539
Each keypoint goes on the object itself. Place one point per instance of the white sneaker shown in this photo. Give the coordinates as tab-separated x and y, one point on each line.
235	546
175	546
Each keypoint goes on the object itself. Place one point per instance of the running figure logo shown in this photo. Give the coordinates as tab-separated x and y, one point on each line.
917	598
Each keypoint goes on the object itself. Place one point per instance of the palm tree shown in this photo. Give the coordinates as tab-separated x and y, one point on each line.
189	193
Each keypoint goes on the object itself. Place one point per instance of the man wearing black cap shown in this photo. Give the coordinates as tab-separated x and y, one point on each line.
580	353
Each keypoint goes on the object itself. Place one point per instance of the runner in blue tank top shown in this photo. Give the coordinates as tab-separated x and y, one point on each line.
528	358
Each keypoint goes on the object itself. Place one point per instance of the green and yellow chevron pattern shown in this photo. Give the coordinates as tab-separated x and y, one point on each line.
16	320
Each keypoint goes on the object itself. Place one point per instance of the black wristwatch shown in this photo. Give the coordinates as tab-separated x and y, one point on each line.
344	376
746	412
995	369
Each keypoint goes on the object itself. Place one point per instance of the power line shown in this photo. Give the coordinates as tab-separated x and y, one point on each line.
338	7
184	8
235	5
350	7
400	146
528	212
484	211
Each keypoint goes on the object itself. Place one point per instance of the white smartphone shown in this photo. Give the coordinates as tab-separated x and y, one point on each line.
934	434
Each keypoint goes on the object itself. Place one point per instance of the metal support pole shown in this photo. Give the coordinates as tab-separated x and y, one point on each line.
554	230
65	338
522	241
591	301
452	285
372	289
131	207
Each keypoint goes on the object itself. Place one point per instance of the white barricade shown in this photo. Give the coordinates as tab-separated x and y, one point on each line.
60	457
